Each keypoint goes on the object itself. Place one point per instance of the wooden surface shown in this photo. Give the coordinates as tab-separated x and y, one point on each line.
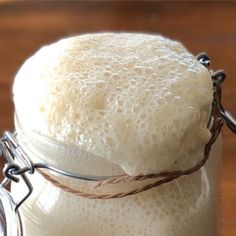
210	27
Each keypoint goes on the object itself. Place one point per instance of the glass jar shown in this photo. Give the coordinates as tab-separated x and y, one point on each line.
185	206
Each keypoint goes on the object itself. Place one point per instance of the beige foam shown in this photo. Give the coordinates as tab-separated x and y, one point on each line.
141	101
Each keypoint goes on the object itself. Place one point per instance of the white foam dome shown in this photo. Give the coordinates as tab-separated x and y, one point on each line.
140	101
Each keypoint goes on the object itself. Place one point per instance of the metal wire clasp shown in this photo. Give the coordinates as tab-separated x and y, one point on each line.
12	153
218	78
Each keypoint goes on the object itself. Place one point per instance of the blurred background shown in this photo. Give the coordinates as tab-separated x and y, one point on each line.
201	26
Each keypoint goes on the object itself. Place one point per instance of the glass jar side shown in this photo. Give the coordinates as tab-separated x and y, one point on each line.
186	206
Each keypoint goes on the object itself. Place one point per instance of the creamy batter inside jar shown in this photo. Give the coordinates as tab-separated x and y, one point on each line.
119	104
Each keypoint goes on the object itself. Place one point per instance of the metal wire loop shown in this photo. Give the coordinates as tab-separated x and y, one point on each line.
9	171
15	152
204	59
218	78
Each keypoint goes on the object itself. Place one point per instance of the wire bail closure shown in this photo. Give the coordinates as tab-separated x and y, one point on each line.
218	77
18	163
11	151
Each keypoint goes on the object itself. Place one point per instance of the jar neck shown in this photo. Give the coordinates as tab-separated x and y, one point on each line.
64	156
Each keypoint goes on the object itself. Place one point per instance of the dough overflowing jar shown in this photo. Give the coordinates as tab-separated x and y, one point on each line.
137	113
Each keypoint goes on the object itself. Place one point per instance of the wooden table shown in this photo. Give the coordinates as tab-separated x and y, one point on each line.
210	27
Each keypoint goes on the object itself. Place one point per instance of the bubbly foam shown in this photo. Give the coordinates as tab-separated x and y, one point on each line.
140	101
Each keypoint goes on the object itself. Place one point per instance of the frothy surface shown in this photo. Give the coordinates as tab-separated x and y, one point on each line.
138	100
